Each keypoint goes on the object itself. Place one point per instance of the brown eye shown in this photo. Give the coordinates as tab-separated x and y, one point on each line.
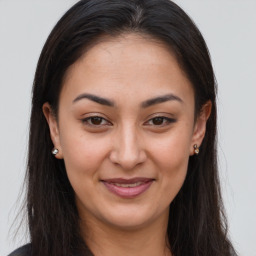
96	120
158	120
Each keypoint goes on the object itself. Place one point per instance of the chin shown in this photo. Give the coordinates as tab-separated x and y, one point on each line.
132	219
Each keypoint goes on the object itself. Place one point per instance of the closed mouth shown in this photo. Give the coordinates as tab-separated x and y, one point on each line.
128	188
132	185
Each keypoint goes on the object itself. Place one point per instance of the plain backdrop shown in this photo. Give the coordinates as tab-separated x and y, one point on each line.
229	28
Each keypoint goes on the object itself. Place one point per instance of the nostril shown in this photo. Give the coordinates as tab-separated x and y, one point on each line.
126	148
127	161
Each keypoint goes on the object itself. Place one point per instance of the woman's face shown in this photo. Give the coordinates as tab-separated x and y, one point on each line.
126	130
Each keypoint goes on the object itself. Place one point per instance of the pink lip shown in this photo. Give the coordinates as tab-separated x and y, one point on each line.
128	192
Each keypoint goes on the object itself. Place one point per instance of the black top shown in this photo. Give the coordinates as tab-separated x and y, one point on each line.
25	250
22	251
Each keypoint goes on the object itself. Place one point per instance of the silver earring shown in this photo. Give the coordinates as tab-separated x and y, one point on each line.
196	149
55	151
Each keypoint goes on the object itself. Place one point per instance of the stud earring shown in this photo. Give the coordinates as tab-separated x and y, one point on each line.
55	151
196	149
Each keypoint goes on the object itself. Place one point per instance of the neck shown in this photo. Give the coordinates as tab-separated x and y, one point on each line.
106	240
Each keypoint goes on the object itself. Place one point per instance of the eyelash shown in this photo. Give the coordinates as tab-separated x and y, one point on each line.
166	121
87	121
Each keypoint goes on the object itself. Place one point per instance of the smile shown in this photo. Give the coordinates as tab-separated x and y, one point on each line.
128	185
128	188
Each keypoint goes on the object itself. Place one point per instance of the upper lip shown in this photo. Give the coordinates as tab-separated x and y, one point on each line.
128	181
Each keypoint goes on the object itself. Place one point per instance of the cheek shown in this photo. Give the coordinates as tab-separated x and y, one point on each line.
83	154
172	163
172	149
170	156
83	157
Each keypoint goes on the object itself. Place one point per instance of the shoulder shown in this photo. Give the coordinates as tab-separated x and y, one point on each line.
22	251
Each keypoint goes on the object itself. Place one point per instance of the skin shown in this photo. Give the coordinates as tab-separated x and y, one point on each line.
127	142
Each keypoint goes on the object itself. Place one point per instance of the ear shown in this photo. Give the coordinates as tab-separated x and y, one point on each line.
200	126
54	129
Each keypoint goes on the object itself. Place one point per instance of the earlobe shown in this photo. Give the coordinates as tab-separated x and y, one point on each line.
200	127
54	129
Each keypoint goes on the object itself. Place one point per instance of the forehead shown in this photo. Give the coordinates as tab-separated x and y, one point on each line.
127	65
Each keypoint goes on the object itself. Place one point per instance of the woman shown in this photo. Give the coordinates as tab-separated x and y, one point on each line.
122	151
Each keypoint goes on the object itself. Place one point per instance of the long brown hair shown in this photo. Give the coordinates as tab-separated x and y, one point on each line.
197	224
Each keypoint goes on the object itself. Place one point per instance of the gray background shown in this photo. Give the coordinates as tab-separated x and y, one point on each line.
229	27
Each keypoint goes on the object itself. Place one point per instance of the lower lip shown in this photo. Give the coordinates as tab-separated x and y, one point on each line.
128	192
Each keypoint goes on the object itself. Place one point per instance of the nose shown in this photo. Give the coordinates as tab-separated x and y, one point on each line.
127	148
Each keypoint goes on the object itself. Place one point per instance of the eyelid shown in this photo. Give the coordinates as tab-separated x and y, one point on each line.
168	121
86	119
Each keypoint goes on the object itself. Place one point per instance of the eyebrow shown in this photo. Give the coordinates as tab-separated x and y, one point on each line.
160	99
97	99
144	104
